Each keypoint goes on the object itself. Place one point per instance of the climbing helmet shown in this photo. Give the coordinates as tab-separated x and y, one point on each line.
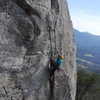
60	57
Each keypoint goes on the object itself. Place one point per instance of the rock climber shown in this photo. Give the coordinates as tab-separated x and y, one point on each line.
55	65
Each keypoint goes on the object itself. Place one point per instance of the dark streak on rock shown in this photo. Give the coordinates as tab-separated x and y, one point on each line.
37	30
55	6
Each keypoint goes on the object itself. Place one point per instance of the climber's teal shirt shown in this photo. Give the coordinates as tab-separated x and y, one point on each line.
59	62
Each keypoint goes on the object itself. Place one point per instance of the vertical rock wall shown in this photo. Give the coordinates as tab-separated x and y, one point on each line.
25	29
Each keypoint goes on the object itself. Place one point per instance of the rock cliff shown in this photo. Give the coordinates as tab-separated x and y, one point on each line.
25	30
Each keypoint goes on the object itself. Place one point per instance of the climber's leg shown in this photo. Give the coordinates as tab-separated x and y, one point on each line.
51	72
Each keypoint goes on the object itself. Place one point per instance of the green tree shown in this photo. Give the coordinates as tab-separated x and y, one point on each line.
87	84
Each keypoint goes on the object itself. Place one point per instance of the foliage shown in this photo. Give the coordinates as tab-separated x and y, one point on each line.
88	86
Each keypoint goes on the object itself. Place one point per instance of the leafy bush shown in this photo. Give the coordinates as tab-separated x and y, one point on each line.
88	86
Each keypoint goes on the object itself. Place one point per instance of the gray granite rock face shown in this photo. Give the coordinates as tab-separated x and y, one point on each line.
25	30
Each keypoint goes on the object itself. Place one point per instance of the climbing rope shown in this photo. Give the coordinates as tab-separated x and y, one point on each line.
50	44
55	39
